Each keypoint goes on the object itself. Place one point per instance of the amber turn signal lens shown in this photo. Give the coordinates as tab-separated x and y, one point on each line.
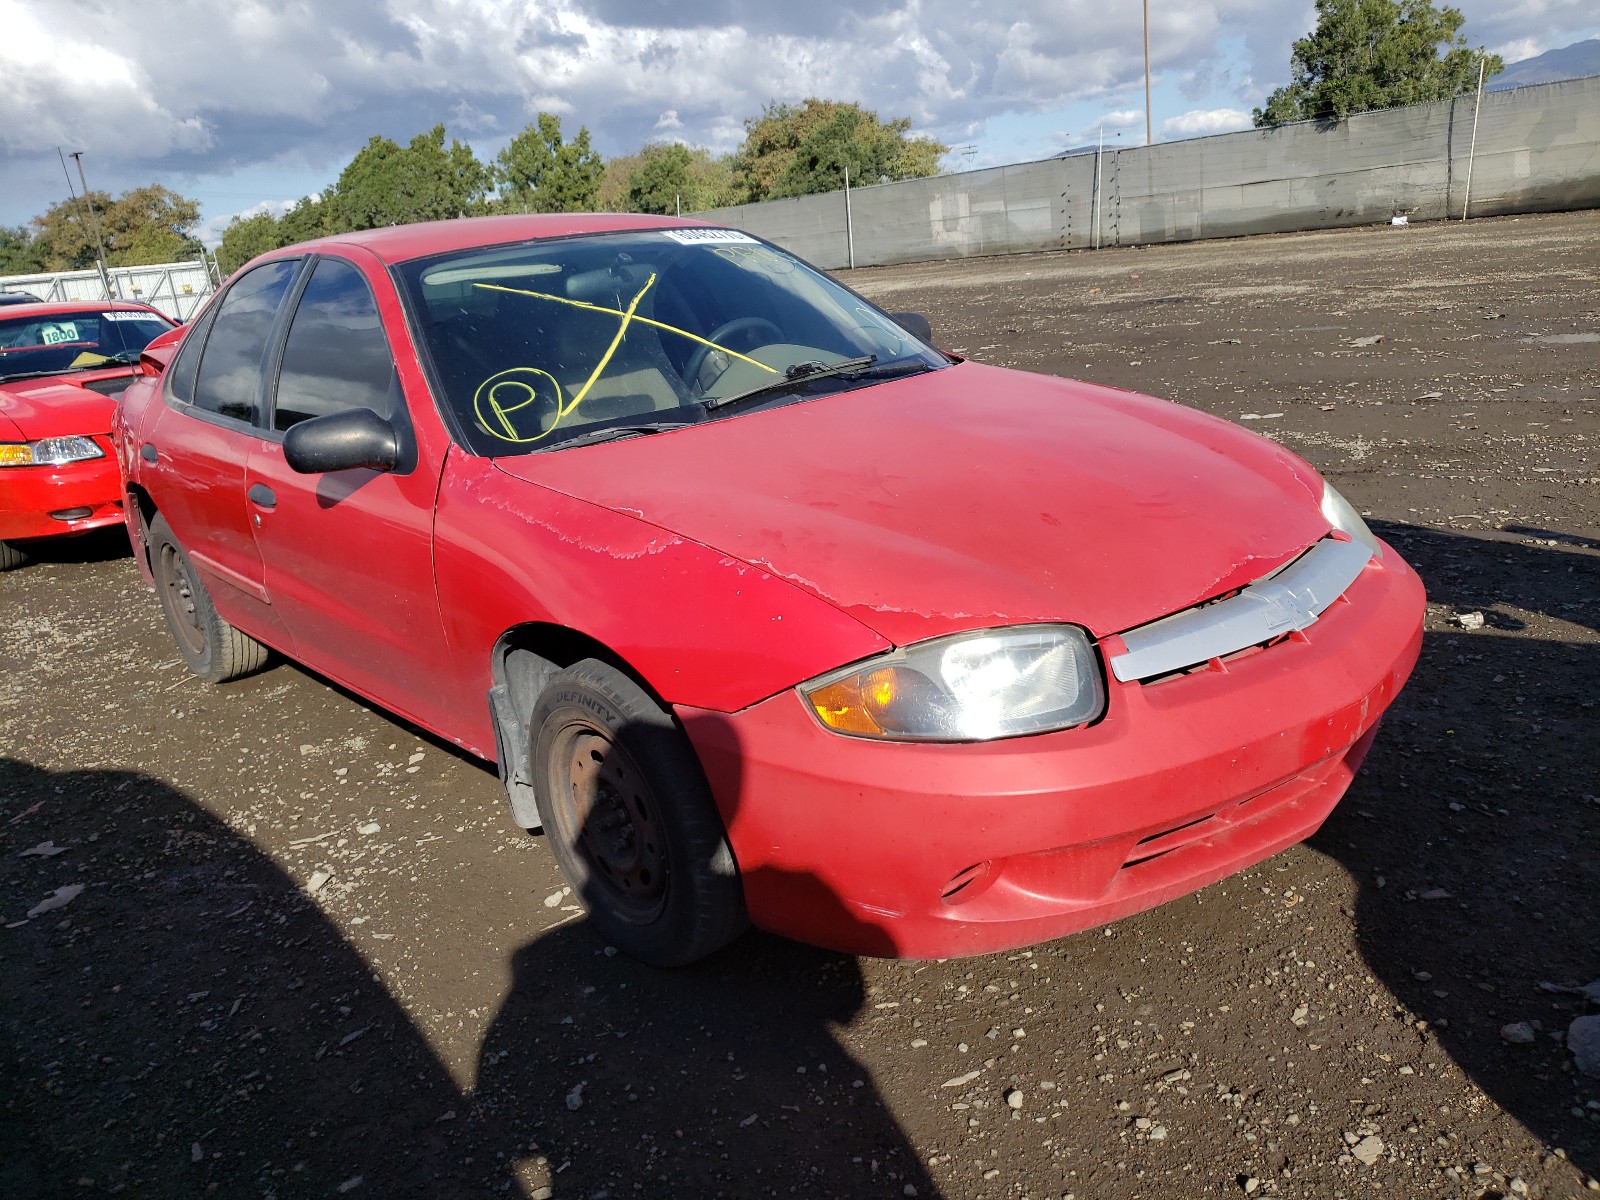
14	455
841	706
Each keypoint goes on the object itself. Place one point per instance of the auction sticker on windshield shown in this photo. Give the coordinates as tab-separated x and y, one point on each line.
698	237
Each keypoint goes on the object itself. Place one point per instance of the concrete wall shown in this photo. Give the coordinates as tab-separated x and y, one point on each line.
177	289
1538	148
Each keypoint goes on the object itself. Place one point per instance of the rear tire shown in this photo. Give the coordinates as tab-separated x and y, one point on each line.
10	557
630	818
211	648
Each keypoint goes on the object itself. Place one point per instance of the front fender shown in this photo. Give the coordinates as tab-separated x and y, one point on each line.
700	627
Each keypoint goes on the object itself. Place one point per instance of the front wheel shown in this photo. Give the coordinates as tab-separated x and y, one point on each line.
211	648
11	557
630	819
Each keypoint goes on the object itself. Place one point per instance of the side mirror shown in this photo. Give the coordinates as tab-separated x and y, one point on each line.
357	437
915	324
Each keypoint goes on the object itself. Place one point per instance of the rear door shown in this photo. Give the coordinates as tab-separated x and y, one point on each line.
348	555
196	445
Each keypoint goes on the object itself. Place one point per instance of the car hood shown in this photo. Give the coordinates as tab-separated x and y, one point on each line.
55	407
967	498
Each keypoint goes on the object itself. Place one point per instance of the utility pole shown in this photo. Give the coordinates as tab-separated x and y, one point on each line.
1483	62
1147	122
92	221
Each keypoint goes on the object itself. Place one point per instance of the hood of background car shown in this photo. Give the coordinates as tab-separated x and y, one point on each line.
54	407
969	497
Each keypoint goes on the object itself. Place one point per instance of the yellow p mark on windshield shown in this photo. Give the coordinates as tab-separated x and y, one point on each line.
510	405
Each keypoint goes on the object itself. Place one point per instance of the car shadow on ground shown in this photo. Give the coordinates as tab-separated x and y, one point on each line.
190	1023
618	1079
1472	831
101	545
728	1077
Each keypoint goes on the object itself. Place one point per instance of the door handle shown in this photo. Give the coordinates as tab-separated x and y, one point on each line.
148	453
262	496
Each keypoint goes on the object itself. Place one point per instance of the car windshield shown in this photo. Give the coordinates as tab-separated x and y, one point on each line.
540	343
60	343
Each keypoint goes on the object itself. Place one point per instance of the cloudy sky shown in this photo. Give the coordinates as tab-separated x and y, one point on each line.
244	104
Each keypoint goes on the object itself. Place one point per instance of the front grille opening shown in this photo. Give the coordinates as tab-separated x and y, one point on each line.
1151	850
952	893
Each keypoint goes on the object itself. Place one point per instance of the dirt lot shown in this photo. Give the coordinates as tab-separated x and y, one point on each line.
311	956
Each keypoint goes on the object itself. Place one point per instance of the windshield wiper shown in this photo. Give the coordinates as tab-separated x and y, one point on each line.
801	372
898	366
607	432
116	360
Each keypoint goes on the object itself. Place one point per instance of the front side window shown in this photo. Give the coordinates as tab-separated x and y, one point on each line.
336	356
229	380
535	345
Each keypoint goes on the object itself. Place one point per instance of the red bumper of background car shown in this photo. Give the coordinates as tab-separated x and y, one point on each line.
919	850
30	495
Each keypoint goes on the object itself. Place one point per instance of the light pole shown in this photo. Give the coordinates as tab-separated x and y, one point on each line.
100	245
1147	137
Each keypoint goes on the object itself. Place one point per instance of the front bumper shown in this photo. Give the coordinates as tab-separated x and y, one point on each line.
918	850
29	495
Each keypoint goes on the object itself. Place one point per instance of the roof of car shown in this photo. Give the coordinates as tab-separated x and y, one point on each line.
53	308
398	243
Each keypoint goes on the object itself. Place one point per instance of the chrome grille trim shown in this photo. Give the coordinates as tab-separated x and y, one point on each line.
1289	599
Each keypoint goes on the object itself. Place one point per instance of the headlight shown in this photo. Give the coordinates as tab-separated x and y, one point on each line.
50	452
1336	510
972	687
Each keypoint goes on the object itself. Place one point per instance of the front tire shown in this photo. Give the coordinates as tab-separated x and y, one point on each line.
10	557
630	818
211	648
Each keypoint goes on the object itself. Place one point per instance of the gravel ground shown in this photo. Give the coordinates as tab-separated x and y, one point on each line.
263	940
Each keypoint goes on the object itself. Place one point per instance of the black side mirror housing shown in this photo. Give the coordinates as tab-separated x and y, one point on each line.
342	441
915	324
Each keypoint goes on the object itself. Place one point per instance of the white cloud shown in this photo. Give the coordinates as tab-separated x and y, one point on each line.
1199	122
183	90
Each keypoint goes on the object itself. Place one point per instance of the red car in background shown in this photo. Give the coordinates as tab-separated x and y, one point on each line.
60	367
767	609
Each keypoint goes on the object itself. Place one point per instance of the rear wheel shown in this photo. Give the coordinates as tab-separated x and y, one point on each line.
211	648
11	557
630	819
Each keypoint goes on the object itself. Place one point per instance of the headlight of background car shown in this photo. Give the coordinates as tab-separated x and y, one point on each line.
49	452
972	687
1336	510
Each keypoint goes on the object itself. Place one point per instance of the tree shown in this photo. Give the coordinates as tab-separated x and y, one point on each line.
657	183
313	217
795	150
539	172
18	254
1370	54
667	177
246	237
144	225
385	184
150	225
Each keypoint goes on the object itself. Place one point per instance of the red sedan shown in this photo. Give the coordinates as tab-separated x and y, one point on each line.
60	365
768	610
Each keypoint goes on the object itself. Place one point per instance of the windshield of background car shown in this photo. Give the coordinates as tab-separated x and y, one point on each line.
59	343
536	343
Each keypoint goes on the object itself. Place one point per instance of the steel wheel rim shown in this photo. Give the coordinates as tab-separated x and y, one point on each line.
179	592
610	813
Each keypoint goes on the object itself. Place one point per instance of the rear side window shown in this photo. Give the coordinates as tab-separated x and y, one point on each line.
336	356
229	382
180	375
